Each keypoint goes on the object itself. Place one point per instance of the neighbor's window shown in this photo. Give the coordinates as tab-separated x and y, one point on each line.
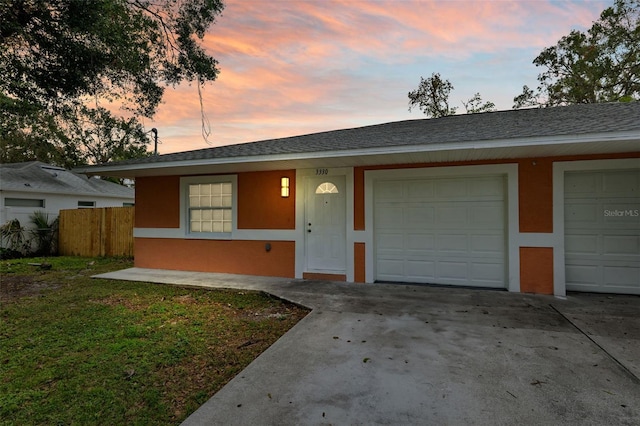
23	202
85	204
210	207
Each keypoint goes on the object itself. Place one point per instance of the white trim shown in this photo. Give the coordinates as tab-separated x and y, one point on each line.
559	169
513	235
240	234
534	239
184	203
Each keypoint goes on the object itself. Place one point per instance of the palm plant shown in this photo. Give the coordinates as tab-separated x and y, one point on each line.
45	233
12	237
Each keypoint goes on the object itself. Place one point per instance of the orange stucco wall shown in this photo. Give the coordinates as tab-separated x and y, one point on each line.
234	257
358	199
359	262
260	205
158	202
536	270
535	185
535	190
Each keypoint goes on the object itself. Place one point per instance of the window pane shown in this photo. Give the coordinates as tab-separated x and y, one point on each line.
326	188
215	189
23	202
210	207
205	201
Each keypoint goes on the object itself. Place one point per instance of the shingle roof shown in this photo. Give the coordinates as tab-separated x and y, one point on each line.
582	119
35	176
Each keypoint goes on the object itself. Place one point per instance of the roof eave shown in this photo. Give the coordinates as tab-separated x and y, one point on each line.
616	142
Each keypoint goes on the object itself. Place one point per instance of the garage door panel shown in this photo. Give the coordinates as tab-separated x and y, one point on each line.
451	271
620	184
389	215
577	244
579	184
488	245
420	190
583	214
602	231
449	231
490	273
451	188
452	216
421	268
621	244
621	276
487	216
391	268
419	216
389	191
452	243
421	241
487	187
388	241
577	274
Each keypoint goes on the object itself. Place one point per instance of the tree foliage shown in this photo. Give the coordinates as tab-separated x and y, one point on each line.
475	105
432	96
78	76
601	65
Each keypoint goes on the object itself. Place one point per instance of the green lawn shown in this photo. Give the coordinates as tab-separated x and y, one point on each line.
76	350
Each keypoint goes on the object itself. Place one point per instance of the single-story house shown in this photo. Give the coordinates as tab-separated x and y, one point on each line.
30	186
533	200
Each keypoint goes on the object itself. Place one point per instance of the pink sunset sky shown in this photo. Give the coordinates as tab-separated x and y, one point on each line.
292	67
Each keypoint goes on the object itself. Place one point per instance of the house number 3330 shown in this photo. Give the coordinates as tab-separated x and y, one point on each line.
320	172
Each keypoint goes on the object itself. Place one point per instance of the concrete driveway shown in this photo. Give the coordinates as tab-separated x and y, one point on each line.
400	354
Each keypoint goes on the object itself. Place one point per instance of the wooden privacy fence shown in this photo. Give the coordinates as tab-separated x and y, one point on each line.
106	231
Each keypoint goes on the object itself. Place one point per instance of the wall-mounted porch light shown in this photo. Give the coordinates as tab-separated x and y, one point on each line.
284	187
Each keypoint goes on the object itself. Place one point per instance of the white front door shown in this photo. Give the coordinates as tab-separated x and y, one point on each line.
325	224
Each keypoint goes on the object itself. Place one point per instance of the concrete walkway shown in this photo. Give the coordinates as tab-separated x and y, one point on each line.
399	354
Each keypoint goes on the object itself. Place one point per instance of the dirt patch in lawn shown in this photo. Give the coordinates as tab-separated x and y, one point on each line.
13	287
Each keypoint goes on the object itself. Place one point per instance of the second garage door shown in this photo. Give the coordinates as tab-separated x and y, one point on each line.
602	231
441	231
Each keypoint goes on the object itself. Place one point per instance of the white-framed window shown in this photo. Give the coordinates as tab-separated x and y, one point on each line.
86	204
210	205
23	202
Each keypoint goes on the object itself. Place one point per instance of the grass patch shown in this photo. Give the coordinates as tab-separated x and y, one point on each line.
76	350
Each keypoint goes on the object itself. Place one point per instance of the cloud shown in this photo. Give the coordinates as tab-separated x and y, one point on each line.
293	67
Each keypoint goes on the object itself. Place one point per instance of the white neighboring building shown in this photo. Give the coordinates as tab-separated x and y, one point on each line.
30	186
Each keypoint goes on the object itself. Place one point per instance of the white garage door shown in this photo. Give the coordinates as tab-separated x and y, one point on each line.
602	231
441	231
